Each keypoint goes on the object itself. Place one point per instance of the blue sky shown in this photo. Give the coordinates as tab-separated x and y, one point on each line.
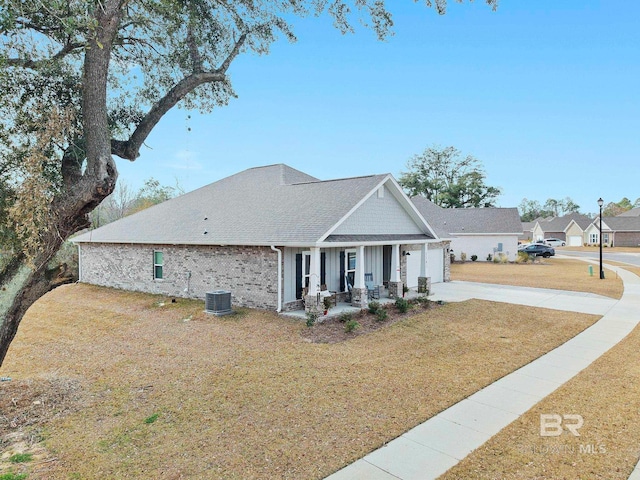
544	93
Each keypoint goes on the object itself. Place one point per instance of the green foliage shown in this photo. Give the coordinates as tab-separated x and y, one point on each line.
402	305
312	317
151	419
613	209
12	476
21	458
474	258
345	317
531	210
351	326
381	315
423	300
328	302
448	179
374	307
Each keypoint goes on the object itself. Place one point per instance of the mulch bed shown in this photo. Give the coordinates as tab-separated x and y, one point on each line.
334	328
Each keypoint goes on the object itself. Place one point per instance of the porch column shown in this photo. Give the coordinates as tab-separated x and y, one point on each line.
314	271
395	283
312	299
424	282
359	296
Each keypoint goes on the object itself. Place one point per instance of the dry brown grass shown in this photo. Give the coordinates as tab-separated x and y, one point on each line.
607	395
246	396
555	273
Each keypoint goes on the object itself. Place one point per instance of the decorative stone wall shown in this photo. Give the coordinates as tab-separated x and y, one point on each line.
250	273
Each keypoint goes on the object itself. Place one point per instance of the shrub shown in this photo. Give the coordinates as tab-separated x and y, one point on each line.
351	325
327	302
423	300
402	305
312	317
12	476
502	258
463	257
489	257
374	307
474	258
381	315
345	317
452	257
151	419
523	257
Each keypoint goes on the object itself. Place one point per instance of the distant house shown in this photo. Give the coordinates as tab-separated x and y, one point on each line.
620	231
634	212
270	235
475	231
570	228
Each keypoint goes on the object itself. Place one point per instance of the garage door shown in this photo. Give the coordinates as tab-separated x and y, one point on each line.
575	241
435	265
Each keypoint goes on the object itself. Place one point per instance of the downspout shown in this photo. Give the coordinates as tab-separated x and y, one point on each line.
279	309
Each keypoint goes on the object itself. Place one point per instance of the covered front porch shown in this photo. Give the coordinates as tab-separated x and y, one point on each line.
347	307
347	269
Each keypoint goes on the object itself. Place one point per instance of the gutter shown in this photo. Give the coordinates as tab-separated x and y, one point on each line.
279	309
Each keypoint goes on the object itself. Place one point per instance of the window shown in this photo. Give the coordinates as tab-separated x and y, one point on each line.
593	238
158	263
605	238
306	268
350	266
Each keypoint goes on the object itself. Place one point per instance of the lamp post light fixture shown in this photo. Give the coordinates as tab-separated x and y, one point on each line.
600	203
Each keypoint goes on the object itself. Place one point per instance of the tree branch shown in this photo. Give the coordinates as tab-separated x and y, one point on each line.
130	149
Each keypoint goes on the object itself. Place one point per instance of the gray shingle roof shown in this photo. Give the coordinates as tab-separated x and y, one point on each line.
634	212
622	224
560	224
272	205
452	221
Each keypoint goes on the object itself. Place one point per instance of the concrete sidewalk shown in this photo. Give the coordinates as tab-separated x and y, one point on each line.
432	448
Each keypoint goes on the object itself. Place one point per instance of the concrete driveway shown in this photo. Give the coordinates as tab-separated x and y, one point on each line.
581	302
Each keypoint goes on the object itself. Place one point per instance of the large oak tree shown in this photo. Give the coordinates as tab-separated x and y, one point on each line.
86	80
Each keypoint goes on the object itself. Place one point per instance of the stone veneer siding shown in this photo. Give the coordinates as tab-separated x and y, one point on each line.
250	273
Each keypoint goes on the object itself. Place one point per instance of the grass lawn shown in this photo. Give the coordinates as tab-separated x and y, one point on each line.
563	274
119	386
606	395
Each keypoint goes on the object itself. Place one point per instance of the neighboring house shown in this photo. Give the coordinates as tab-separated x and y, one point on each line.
570	228
268	234
620	231
634	212
527	231
475	231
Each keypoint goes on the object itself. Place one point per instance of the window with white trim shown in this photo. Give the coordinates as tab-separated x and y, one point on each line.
593	238
158	264
350	266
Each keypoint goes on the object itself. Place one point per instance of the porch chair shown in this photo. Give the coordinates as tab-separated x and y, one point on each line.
373	291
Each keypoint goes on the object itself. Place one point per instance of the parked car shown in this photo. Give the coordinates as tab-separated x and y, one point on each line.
522	246
539	250
555	242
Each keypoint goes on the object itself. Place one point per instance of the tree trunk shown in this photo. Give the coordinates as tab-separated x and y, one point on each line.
21	285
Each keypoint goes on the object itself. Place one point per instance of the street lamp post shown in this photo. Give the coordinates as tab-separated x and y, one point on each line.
600	203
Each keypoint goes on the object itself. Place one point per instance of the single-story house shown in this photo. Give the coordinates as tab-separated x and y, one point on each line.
270	235
620	231
475	231
570	228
